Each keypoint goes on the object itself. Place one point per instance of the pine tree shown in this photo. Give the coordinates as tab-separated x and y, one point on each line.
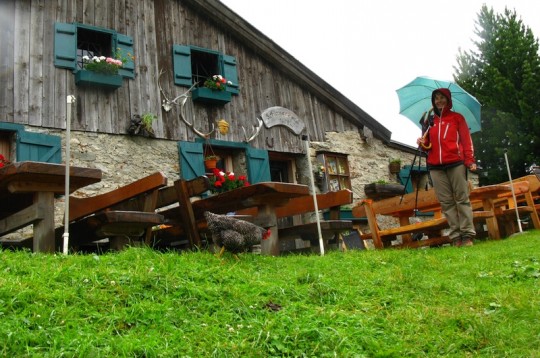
504	75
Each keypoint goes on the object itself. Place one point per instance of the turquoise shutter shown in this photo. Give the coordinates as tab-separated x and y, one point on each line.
182	65
191	160
65	45
231	73
258	165
38	147
125	44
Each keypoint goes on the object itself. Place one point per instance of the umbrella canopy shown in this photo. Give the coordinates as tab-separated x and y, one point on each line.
415	99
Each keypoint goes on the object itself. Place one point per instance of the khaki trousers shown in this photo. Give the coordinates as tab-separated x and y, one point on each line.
452	191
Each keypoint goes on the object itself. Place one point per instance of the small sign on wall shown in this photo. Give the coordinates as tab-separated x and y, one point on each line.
281	116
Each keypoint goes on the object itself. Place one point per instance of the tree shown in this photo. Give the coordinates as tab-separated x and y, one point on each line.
504	75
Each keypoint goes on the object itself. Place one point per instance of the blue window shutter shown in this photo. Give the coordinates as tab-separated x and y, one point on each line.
231	73
258	165
38	147
191	160
125	44
65	45
182	65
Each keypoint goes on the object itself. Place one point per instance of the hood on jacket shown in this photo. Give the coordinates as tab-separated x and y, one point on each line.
445	92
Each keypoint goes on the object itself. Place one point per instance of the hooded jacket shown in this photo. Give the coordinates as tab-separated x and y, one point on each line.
449	136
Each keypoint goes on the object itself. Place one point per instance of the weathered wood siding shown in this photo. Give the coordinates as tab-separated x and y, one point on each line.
33	91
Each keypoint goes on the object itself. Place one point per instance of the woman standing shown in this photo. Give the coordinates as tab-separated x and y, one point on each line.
450	153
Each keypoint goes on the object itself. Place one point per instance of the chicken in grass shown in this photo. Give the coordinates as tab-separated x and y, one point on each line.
234	235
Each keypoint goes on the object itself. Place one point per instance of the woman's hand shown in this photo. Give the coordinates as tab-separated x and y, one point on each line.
472	167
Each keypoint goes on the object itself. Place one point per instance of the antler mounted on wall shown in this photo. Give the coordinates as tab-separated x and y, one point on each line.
180	101
256	131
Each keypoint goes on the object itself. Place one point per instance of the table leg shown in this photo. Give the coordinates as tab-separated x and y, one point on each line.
44	227
270	246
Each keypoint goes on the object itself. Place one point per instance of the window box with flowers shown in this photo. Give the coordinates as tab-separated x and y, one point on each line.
224	181
213	91
100	71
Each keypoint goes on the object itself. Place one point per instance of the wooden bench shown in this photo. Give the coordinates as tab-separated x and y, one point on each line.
407	206
508	212
532	198
119	215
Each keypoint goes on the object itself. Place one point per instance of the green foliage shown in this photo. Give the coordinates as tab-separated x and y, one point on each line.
504	75
480	301
147	119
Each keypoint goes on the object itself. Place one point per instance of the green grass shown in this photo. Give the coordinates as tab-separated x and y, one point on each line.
456	302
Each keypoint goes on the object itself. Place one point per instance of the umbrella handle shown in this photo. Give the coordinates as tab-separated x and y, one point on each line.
424	137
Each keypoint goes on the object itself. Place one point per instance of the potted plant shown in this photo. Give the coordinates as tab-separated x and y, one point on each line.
394	165
213	91
142	125
210	161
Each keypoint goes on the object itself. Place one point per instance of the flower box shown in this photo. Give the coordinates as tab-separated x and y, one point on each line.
207	95
378	191
94	79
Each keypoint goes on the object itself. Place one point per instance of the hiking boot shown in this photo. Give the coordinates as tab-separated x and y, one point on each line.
457	242
466	241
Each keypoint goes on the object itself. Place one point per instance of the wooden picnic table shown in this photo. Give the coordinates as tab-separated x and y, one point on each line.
265	196
27	191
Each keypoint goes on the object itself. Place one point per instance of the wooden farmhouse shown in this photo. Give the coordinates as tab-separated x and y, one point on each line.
272	110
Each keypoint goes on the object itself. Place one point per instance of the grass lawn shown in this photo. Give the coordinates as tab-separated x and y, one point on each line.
457	302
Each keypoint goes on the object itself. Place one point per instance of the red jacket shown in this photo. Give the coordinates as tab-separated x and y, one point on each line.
449	137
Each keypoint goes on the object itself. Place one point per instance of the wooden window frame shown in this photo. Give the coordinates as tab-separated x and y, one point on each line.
337	172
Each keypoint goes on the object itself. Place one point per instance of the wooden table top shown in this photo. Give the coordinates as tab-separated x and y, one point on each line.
28	177
270	193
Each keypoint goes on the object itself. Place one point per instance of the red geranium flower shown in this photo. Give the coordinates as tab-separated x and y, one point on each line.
224	181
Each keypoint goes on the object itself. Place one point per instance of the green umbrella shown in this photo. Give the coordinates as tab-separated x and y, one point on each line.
415	100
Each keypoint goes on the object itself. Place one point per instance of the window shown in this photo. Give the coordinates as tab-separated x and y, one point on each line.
282	167
72	41
191	156
93	43
23	145
194	64
337	171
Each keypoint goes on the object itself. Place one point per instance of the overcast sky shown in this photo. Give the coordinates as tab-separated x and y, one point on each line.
368	49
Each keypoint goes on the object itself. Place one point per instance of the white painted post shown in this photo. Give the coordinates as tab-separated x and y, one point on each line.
65	236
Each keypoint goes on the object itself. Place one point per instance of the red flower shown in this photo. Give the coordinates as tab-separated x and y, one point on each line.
224	181
3	161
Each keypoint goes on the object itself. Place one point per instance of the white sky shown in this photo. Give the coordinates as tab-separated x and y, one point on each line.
367	49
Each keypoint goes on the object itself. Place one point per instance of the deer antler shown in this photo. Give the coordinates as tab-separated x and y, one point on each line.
256	131
190	125
167	105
